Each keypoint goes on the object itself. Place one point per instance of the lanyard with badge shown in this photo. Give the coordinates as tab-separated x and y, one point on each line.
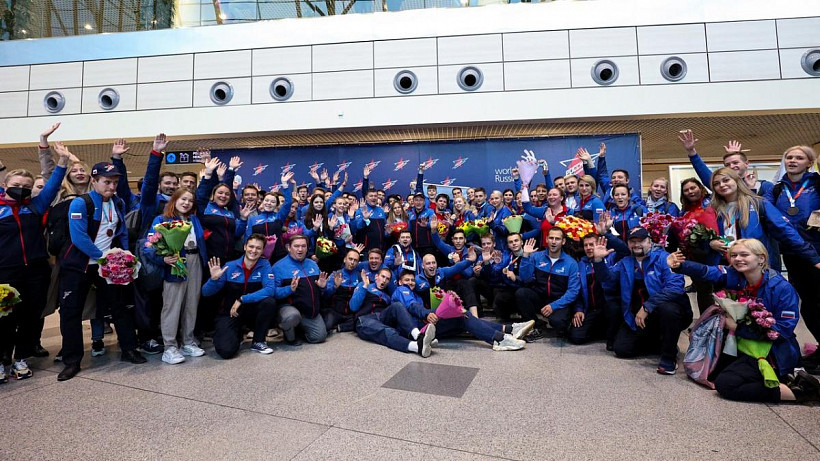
793	210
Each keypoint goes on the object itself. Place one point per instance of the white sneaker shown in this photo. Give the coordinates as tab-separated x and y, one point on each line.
509	344
262	348
192	350
20	370
172	356
519	330
426	340
3	376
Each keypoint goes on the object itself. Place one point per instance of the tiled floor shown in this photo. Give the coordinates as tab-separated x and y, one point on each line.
344	400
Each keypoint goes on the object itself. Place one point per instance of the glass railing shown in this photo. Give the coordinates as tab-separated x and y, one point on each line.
59	18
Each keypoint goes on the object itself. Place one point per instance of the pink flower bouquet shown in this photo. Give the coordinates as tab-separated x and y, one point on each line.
658	225
447	305
270	244
118	266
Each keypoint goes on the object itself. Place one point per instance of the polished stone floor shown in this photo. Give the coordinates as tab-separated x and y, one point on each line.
348	399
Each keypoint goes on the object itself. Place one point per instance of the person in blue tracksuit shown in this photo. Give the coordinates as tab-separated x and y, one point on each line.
625	214
658	199
402	255
741	214
734	158
339	291
596	313
500	337
24	263
555	285
180	294
740	378
571	196
271	223
222	221
90	237
496	219
605	181
590	207
504	274
482	208
797	196
299	286
245	290
368	222
382	320
653	301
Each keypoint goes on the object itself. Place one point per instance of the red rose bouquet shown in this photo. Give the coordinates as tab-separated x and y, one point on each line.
118	266
657	224
9	297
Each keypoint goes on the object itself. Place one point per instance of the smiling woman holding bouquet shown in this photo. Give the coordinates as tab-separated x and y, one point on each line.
767	347
178	243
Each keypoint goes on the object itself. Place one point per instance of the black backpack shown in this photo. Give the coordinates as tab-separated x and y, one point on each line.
57	233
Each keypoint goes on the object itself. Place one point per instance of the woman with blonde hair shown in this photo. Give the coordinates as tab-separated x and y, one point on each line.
742	214
797	195
742	377
590	206
657	200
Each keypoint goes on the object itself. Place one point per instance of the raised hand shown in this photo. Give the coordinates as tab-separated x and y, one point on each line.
336	176
321	282
344	181
675	259
424	222
314	174
549	216
338	279
160	143
351	209
600	250
687	139
359	247
527	166
399	260
64	153
45	134
584	155
734	147
294	283
545	167
365	278
203	154
246	210
477	269
317	222
333	222
514	172
472	256
216	269
235	163
324	176
221	170
497	256
120	147
210	165
367	170
604	223
602	150
365	212
530	247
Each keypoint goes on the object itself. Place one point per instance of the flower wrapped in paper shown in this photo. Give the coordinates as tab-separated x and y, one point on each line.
574	227
436	297
9	297
446	305
397	227
342	232
513	223
270	245
295	230
118	266
692	234
443	228
325	247
657	224
168	239
479	227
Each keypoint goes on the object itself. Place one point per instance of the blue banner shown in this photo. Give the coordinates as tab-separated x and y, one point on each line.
474	163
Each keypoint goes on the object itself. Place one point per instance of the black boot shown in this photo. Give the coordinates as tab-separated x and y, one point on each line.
805	387
133	357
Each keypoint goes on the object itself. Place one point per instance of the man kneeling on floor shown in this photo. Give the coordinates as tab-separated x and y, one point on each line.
246	286
501	337
388	325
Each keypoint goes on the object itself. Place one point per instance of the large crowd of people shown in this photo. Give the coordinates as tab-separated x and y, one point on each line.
257	263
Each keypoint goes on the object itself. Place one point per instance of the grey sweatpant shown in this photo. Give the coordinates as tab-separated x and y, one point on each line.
180	299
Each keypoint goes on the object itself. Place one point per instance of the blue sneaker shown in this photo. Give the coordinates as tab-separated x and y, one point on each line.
262	348
667	367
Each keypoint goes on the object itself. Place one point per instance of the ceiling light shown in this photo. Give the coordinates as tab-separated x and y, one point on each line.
88	27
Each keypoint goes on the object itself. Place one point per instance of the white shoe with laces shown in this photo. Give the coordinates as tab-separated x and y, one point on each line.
20	370
172	356
509	344
192	350
519	330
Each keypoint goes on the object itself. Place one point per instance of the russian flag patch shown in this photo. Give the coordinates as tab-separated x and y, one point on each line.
76	216
787	315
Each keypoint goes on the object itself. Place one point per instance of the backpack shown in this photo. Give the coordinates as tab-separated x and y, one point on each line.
133	223
705	346
57	232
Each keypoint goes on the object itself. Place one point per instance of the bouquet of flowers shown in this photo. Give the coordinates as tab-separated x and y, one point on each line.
446	305
759	320
118	266
295	230
574	227
325	247
397	227
168	239
480	227
513	223
692	234
9	297
658	225
443	228
270	245
342	232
